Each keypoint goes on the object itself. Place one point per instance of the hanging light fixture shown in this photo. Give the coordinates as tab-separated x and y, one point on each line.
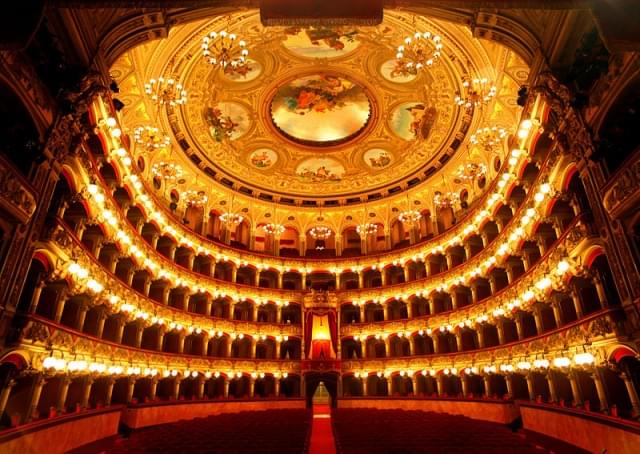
471	171
409	216
150	139
418	52
169	171
226	51
447	198
320	232
476	93
230	218
366	228
165	92
489	138
195	198
274	228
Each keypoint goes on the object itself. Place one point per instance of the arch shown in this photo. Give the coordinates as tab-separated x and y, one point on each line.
617	352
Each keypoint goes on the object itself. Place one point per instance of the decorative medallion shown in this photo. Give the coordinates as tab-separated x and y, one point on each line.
263	158
246	73
227	121
321	109
412	120
377	158
321	42
320	170
394	71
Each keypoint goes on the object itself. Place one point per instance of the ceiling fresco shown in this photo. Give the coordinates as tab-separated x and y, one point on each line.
318	111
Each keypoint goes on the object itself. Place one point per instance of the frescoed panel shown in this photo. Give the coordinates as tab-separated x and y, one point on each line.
320	109
227	121
396	72
320	170
377	158
321	42
245	74
263	158
412	120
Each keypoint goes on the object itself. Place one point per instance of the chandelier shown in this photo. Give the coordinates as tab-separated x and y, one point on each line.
224	50
446	199
418	52
195	198
231	219
409	216
476	93
169	171
165	91
150	138
489	138
471	171
273	228
320	232
367	228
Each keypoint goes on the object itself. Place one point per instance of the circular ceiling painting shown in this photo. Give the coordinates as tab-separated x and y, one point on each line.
320	109
263	158
227	121
412	120
247	73
320	42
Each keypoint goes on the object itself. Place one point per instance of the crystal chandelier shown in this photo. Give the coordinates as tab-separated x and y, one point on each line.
489	138
320	232
168	171
150	138
165	91
471	171
231	219
273	228
409	216
418	52
446	199
476	93
224	50
195	198
367	228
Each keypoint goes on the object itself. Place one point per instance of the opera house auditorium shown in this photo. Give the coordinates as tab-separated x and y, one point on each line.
302	226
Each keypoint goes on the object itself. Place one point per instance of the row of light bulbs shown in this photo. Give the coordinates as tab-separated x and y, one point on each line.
518	232
561	362
54	364
191	240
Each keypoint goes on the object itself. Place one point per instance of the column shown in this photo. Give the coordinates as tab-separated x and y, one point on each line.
205	343
252	386
109	391
432	305
102	317
139	333
61	300
201	382
412	345
487	384
254	343
276	386
160	338
602	394
633	395
4	395
538	318
360	279
557	313
385	311
362	313
81	316
383	276
407	271
409	309
119	330
208	304
212	268
508	378
131	383
575	388
363	347
387	347
181	338
530	386
278	313
440	384
364	385
175	391
65	381
464	380
234	271
225	391
38	383
278	343
280	279
459	342
553	396
602	295
500	329
519	326
35	298
436	344
87	384
153	388
480	333
414	384
256	279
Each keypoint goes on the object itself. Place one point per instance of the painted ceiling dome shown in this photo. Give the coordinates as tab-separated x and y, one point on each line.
320	114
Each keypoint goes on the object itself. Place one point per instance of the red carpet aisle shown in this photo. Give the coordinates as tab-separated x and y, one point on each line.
321	434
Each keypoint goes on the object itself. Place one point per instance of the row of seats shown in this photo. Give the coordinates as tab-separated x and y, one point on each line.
371	431
270	431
